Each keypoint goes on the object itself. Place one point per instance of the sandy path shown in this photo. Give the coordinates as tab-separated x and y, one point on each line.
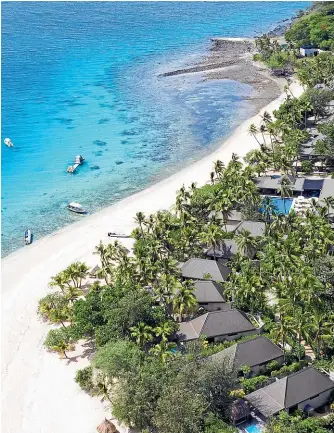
39	394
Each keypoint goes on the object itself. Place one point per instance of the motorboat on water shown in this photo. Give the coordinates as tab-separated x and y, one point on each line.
8	142
27	237
76	207
79	159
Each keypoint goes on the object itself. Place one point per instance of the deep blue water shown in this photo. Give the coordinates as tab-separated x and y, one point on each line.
84	78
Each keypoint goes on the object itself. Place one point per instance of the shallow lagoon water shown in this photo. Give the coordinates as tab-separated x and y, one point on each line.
83	78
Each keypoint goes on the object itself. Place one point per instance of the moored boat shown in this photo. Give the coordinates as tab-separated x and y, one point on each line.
8	142
76	207
79	159
27	237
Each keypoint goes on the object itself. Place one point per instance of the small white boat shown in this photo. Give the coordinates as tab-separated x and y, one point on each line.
8	142
79	159
27	237
76	207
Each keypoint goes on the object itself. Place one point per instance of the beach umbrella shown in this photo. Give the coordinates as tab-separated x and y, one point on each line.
106	427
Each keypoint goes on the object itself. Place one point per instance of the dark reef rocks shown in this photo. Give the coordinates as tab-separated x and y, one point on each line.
103	121
100	143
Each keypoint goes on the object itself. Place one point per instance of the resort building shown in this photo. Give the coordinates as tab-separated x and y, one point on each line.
234	217
225	251
240	411
307	390
256	354
308	187
202	269
210	296
308	152
256	228
217	326
307	51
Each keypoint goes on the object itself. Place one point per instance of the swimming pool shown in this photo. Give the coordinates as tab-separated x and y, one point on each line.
282	206
254	428
251	427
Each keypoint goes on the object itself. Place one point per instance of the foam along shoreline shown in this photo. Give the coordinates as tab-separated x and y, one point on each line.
38	390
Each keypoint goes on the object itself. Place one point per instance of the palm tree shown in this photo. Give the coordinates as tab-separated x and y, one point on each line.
269	210
283	328
213	235
322	329
164	331
101	250
185	300
252	130
285	190
140	219
60	280
142	333
163	350
218	168
263	130
246	242
329	203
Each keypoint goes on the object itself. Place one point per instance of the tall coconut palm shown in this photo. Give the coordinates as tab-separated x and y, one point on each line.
322	329
284	327
285	190
142	333
76	272
246	242
218	168
269	210
329	203
164	331
213	235
60	280
140	219
185	300
263	129
101	250
164	350
252	130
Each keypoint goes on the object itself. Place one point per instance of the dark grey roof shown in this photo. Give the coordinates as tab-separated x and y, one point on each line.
274	182
327	191
198	268
327	188
251	353
208	291
256	228
214	324
289	391
313	184
233	216
308	148
226	250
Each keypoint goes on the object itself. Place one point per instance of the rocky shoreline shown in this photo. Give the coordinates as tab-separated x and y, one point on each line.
232	59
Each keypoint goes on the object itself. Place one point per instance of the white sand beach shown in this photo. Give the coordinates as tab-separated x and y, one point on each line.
39	394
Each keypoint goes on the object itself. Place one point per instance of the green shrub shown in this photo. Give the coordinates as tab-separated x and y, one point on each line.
307	167
254	383
271	366
84	378
288	369
257	57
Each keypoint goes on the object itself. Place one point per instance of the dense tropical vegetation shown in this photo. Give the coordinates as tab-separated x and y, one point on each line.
129	308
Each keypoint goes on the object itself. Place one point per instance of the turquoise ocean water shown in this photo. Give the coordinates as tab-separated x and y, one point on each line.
83	78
